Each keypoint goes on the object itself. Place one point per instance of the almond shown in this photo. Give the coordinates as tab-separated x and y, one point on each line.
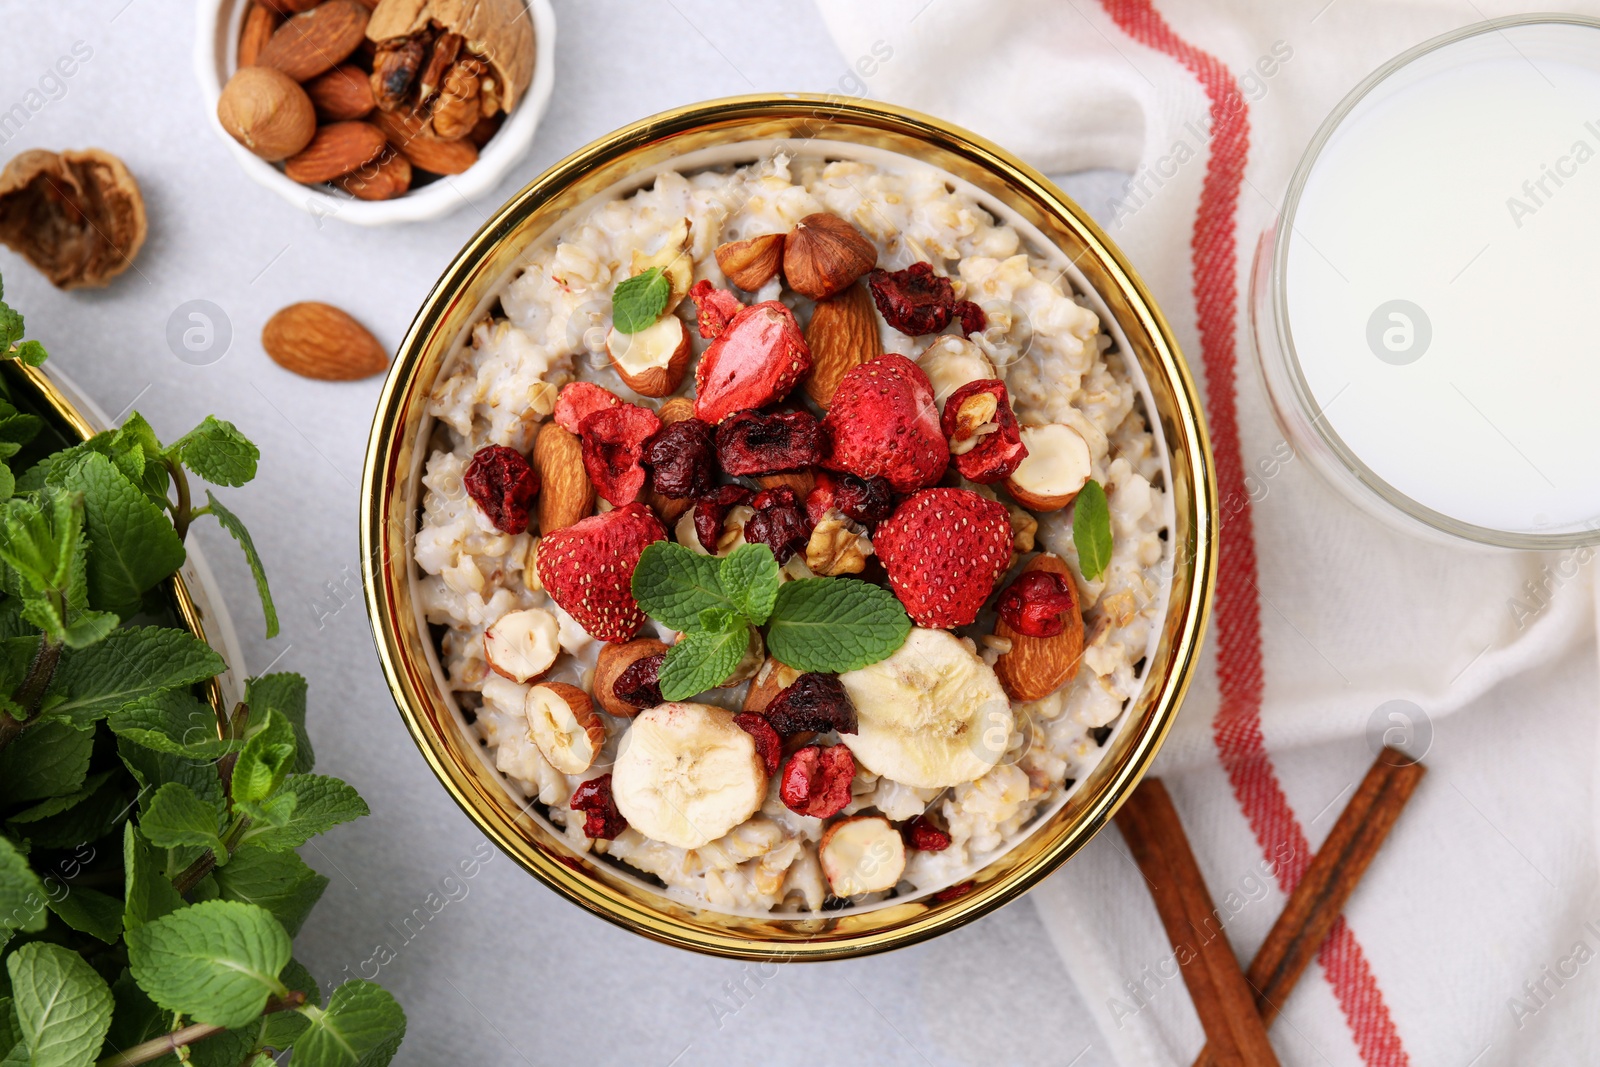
613	660
320	341
259	23
676	410
286	8
1035	667
384	179
341	94
316	40
421	147
752	263
337	148
824	255
842	335
567	495
264	110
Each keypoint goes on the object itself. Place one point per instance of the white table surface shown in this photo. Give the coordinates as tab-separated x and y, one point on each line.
507	973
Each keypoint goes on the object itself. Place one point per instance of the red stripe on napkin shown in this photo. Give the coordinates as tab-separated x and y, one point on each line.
1237	729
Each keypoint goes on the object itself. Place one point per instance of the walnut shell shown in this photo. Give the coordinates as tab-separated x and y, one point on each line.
77	216
499	30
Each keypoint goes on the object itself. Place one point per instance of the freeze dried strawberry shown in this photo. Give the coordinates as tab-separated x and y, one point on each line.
883	422
639	683
817	780
578	400
682	459
985	440
779	523
769	746
602	821
812	703
714	308
613	450
865	500
587	568
923	836
502	484
914	301
972	318
711	511
1034	604
755	360
753	443
943	550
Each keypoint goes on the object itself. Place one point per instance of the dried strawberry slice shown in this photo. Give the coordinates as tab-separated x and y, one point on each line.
914	301
816	781
682	459
769	746
501	483
756	359
579	400
714	307
711	511
602	821
613	450
1034	604
985	440
779	523
922	835
753	443
812	702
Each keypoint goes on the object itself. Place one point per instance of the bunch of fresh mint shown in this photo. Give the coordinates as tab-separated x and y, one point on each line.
830	625
149	886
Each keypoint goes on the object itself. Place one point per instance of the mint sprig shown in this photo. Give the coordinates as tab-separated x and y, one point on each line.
637	302
1091	530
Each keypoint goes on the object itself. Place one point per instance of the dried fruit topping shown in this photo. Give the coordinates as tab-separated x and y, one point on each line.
815	702
883	422
914	301
780	523
639	684
711	511
1035	603
985	440
753	443
613	450
78	217
755	360
502	484
578	400
954	892
922	835
769	746
714	308
817	780
865	500
943	550
824	255
751	264
972	318
587	569
681	459
612	662
602	821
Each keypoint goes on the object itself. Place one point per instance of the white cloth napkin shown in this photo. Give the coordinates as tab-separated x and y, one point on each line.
1475	935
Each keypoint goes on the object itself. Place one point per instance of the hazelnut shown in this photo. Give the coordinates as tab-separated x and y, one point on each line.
751	264
824	255
773	678
614	659
266	111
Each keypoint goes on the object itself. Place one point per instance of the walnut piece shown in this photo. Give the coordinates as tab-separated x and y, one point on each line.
456	110
837	547
76	216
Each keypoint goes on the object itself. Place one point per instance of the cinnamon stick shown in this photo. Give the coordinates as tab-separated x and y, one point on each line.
1235	1033
1320	897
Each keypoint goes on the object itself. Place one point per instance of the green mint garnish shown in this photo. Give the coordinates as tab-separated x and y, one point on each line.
1091	530
639	301
749	574
675	585
705	658
833	625
63	1005
216	962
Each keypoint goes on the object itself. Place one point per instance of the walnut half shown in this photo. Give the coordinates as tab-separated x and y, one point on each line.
76	216
837	546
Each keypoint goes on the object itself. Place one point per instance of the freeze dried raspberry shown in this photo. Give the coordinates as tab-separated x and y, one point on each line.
914	301
769	746
578	400
682	460
602	819
923	836
973	320
816	702
613	441
817	780
711	511
954	892
501	483
779	523
1034	603
865	500
753	443
714	307
639	683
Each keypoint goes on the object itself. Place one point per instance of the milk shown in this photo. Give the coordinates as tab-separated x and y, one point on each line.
1442	281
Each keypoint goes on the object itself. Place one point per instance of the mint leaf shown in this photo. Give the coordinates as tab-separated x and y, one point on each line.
267	756
231	523
217	452
278	881
176	817
637	302
56	805
91	911
50	759
38	540
321	803
675	585
751	578
32	353
152	770
286	694
1091	530
280	1029
89	815
147	892
362	1026
704	660
13	1046
22	895
174	721
833	625
131	664
63	1007
132	545
134	1019
216	962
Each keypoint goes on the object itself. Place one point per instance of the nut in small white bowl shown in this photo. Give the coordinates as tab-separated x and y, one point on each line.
220	23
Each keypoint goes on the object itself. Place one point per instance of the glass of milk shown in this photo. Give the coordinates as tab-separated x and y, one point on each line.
1427	309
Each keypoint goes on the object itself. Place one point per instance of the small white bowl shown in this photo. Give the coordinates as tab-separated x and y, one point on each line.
215	54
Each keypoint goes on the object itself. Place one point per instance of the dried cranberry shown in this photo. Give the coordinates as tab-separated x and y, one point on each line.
753	443
639	683
865	500
985	440
769	746
613	450
715	308
914	301
817	780
578	400
922	835
812	702
1034	603
779	523
500	482
682	460
603	821
954	892
711	511
973	320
